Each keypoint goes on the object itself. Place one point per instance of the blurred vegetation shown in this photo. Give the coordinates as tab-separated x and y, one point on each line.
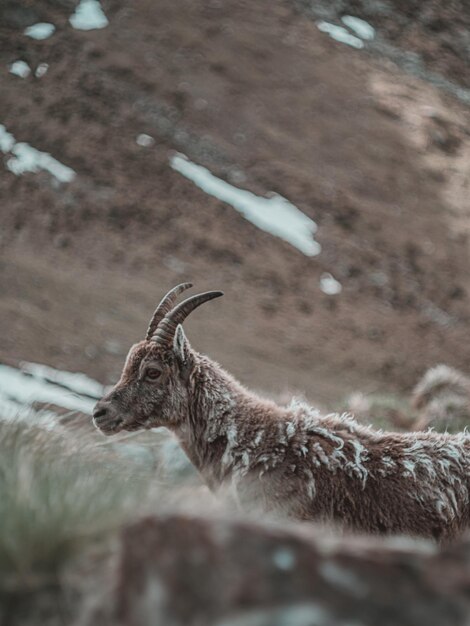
386	411
57	495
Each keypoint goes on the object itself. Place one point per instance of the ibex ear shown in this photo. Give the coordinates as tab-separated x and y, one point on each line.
181	345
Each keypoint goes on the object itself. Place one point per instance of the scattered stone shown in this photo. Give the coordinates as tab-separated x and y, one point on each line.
41	70
329	284
144	140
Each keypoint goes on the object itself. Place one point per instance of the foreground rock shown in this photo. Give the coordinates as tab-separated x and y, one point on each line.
184	571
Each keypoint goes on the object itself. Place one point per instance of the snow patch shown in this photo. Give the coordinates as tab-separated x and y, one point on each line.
88	16
25	158
41	30
18	388
76	382
362	28
330	285
338	33
20	68
275	215
7	141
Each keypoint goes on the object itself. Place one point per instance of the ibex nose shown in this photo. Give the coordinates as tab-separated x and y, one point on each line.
105	418
99	410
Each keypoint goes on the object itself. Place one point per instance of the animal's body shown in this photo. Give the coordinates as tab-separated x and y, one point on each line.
288	460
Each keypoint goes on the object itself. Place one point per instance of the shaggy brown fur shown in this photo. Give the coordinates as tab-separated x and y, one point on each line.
291	460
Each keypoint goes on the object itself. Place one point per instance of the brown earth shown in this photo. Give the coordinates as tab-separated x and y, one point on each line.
253	91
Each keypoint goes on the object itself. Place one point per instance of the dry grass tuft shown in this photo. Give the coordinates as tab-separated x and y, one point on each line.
56	496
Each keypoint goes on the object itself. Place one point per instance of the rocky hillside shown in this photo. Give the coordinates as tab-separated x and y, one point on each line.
376	156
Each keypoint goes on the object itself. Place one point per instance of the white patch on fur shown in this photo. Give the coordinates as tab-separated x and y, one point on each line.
356	466
324	458
259	437
389	466
310	486
327	434
282	433
409	469
290	430
231	434
246	459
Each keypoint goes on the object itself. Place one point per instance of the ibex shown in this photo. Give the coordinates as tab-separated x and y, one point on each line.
289	460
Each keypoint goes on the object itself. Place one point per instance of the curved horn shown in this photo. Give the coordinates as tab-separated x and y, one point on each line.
165	307
167	327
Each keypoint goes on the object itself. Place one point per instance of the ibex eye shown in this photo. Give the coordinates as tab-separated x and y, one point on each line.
152	373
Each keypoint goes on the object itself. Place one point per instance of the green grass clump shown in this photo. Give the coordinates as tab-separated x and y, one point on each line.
58	495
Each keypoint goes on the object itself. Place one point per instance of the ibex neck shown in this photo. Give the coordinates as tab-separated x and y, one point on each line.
223	416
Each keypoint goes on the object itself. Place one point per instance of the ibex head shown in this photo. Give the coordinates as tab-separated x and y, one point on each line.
153	388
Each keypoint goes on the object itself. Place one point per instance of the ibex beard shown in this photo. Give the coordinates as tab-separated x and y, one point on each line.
291	461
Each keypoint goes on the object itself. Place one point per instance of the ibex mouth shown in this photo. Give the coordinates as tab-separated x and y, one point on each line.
108	427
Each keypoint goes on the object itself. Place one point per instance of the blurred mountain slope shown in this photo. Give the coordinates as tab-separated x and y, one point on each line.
257	94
